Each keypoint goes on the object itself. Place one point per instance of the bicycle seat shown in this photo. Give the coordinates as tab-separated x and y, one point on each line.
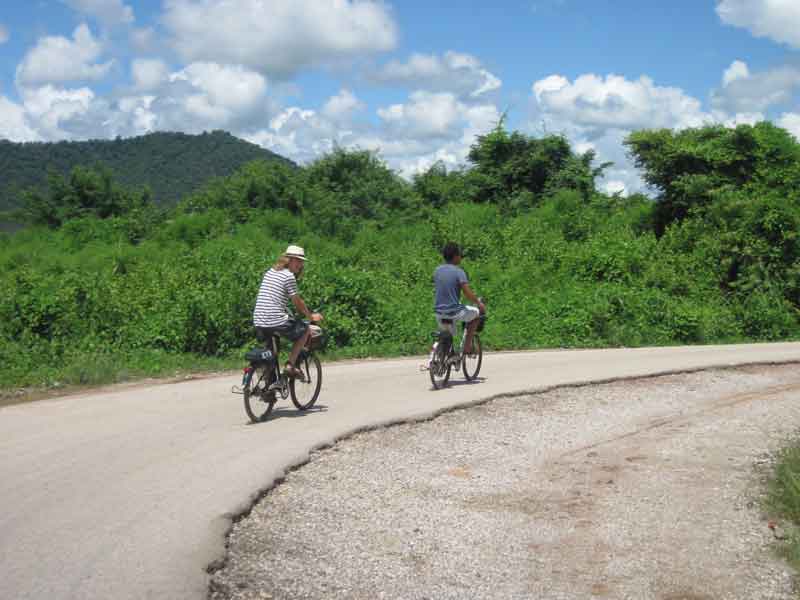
265	334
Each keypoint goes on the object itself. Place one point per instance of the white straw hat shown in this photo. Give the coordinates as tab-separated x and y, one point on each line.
295	252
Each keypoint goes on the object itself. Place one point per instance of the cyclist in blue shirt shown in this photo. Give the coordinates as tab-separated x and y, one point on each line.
449	281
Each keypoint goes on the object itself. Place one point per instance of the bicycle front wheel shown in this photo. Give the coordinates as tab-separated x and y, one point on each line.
258	400
305	393
472	362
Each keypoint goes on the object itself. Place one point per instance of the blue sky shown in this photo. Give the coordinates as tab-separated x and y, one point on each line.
414	80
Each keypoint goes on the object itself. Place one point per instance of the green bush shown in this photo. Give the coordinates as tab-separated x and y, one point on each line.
104	297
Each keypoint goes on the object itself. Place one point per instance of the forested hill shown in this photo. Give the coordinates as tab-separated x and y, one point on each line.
173	165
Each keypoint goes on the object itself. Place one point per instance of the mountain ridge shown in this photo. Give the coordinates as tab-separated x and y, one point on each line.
171	164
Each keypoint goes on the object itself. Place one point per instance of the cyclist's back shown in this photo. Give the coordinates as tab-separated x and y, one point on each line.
450	280
447	280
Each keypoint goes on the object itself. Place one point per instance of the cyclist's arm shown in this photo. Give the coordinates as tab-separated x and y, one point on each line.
301	307
471	296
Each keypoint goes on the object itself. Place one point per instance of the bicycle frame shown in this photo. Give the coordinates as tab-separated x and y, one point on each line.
450	331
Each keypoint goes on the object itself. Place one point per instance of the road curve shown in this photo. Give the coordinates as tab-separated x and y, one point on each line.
129	493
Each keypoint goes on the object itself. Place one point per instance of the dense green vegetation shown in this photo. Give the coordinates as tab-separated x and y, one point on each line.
107	284
171	165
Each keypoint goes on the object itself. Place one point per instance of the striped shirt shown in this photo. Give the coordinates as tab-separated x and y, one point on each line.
273	298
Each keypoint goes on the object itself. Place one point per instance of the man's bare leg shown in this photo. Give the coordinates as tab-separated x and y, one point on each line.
298	345
471	327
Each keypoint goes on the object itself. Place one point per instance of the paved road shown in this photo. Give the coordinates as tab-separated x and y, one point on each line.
129	494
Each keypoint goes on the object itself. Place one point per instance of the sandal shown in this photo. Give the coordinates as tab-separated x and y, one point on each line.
293	371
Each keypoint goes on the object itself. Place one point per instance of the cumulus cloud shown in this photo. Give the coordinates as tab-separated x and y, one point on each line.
791	122
218	94
743	91
300	134
131	115
594	102
454	72
143	39
411	137
199	97
108	12
428	114
51	109
598	113
342	106
778	20
57	59
278	37
737	70
4	35
14	123
430	127
149	74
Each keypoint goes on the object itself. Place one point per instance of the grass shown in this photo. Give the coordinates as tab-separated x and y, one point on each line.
85	371
783	500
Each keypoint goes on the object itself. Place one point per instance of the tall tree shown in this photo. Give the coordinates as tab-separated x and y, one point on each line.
514	168
692	167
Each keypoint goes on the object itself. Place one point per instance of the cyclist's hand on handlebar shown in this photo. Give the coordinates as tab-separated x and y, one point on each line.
481	306
316	317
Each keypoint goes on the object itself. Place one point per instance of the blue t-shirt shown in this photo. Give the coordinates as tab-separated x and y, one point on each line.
448	280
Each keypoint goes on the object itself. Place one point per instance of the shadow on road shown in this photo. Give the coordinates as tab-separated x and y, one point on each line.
460	382
290	412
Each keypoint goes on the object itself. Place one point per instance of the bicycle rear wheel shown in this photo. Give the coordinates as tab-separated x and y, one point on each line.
258	400
439	367
305	393
472	362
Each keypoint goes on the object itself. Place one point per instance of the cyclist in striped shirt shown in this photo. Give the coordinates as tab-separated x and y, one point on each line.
270	316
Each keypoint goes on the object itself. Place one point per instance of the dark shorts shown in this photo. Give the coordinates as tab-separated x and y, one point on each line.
292	330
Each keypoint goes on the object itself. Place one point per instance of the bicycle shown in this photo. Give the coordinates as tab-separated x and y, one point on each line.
263	381
444	357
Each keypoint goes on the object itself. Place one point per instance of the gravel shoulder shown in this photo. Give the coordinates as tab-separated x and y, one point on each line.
646	488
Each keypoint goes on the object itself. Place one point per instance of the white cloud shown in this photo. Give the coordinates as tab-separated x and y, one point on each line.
4	35
143	39
614	186
743	91
133	116
594	102
776	19
428	114
108	12
737	70
200	97
551	83
300	134
454	72
14	124
598	113
149	74
791	122
57	59
430	127
50	109
220	93
342	105
279	37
